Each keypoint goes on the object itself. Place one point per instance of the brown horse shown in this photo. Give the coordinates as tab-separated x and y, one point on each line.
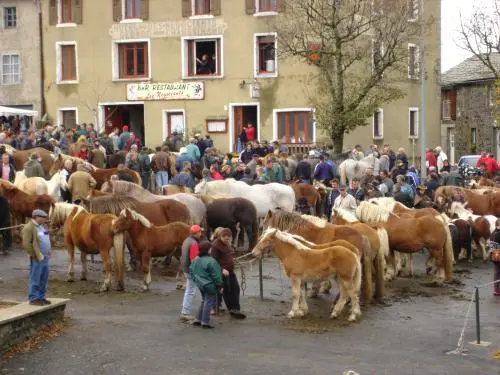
304	264
22	156
93	193
174	189
150	240
92	234
311	194
75	148
409	235
323	232
102	175
58	163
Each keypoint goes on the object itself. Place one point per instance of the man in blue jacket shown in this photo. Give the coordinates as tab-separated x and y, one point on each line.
323	171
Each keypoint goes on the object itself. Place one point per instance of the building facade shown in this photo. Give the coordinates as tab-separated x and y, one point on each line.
468	99
20	62
198	66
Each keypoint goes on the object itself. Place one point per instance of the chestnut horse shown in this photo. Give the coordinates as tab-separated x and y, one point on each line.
93	234
409	235
304	264
22	156
150	240
480	204
58	163
311	194
323	232
102	175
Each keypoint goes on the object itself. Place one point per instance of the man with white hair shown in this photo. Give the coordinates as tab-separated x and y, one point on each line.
441	158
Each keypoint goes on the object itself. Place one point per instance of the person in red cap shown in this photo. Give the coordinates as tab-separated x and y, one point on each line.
190	249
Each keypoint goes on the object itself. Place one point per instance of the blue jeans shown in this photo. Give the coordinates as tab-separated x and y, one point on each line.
188	294
161	178
38	279
207	304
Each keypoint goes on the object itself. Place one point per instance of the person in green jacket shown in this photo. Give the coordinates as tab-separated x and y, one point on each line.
33	167
207	276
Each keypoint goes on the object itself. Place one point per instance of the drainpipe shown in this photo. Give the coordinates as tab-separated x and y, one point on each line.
42	75
423	112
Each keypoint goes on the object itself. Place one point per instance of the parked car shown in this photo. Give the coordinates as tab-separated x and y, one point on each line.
467	167
469	160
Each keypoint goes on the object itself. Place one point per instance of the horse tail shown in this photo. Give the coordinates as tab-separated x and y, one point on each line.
119	245
383	253
343	176
358	274
367	270
255	232
448	254
319	204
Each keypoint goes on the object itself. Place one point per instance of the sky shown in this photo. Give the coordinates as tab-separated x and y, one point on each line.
451	54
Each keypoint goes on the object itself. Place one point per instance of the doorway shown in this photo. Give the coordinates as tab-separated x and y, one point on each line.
120	115
242	115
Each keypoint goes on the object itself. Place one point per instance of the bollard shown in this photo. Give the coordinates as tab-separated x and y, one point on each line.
261	283
478	327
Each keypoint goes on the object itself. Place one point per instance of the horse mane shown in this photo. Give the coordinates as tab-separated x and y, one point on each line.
62	210
136	216
295	241
289	221
111	204
130	189
302	239
387	202
316	221
9	149
346	215
81	139
369	212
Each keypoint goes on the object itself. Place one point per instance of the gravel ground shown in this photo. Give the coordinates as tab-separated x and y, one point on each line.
140	333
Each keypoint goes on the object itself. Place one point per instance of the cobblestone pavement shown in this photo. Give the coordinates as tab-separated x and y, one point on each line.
140	333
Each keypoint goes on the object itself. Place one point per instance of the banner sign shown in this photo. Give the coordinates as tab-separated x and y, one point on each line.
166	91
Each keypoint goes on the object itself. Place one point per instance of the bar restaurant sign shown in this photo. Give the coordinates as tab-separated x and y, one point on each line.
166	91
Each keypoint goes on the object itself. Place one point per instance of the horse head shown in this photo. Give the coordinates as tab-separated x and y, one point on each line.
201	188
265	243
123	222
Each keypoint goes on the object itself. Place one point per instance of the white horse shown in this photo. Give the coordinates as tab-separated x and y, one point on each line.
40	186
351	168
265	197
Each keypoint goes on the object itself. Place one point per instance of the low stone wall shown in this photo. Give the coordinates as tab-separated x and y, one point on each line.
23	320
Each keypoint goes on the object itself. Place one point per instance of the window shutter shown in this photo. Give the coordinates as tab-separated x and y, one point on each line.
250	6
117	10
190	58
53	12
144	10
186	8
281	5
215	7
417	62
77	11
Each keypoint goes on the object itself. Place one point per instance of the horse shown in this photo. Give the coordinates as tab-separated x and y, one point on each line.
320	232
102	175
150	240
58	163
6	234
351	168
409	235
304	264
228	212
40	186
264	197
75	148
93	234
117	158
461	234
482	226
197	209
480	204
22	156
93	193
174	189
310	193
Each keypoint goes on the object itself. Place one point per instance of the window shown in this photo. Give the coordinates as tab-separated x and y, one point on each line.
133	60
10	69
201	7
295	126
446	110
9	17
413	123
265	59
267	5
473	136
67	118
378	124
202	57
413	61
68	61
173	121
413	9
132	9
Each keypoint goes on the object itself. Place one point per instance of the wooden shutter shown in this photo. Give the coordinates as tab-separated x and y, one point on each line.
190	58
77	10
53	12
144	10
215	7
250	6
186	8
117	10
281	5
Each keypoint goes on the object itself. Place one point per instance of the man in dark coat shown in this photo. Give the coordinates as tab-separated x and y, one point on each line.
303	172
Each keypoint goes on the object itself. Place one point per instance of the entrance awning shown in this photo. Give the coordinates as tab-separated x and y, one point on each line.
8	111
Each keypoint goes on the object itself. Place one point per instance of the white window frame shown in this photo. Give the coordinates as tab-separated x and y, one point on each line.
164	116
380	124
259	13
417	61
59	17
59	79
199	16
256	73
279	110
417	122
184	57
128	20
10	53
3	25
60	114
115	60
414	6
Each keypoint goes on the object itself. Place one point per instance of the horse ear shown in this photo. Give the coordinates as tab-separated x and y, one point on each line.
269	213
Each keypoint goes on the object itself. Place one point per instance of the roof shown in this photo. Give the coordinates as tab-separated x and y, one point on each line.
7	111
470	70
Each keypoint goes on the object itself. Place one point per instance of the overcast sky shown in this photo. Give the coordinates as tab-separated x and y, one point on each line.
451	54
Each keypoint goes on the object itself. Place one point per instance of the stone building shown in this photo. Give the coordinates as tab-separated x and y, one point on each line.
20	59
207	66
468	98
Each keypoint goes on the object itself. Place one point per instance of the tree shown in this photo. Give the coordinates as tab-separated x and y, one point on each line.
360	51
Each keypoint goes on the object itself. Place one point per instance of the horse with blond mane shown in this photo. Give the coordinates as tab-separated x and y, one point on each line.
40	186
304	264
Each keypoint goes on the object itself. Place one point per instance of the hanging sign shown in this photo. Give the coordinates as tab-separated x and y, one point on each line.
166	91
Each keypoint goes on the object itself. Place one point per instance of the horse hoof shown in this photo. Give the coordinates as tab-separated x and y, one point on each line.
145	289
179	286
325	291
333	315
70	280
104	288
292	314
120	287
352	318
83	278
312	294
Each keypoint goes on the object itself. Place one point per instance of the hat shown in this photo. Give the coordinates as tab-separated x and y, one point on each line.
39	213
195	229
125	128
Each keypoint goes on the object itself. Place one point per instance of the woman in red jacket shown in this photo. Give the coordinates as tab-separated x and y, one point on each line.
214	172
250	131
84	153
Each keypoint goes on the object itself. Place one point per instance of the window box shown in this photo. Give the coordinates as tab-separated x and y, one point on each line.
202	57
